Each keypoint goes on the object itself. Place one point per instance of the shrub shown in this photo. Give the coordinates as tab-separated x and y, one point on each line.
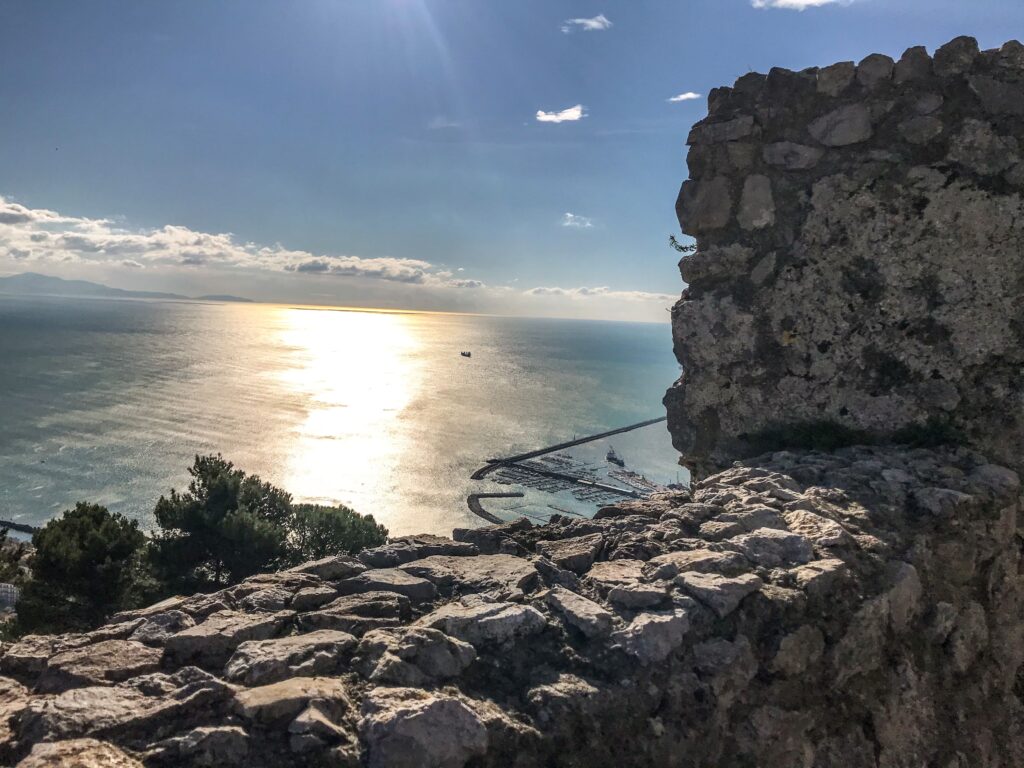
321	531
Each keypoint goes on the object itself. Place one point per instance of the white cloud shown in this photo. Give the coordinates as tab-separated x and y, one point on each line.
796	5
440	123
598	23
688	96
603	291
578	222
571	114
466	284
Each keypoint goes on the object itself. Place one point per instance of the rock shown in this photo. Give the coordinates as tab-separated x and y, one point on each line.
997	97
956	57
480	623
28	656
275	704
408	728
969	638
475	574
651	637
208	746
941	502
315	726
837	78
820	530
358	613
408	548
798	651
721	594
412	656
634	596
915	64
331	568
874	70
921	130
585	615
155	629
792	157
615	573
311	598
842	127
259	662
78	753
978	148
728	667
820	577
267	600
757	205
704	206
771	547
671	564
104	663
215	639
716	133
576	554
389	580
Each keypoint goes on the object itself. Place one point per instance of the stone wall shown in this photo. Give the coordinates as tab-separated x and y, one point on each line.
860	265
852	610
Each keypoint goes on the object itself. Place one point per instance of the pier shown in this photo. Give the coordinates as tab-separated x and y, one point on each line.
477	508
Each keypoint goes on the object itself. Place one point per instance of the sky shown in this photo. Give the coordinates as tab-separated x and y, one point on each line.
498	156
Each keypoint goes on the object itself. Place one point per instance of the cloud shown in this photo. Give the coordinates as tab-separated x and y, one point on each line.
598	23
688	96
571	114
442	123
577	222
40	235
603	291
796	5
467	283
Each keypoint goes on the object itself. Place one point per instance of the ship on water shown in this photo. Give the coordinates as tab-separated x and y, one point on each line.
613	458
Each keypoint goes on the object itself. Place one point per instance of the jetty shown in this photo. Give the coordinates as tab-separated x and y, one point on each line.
477	508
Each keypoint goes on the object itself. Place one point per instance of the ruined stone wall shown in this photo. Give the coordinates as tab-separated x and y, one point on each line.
860	261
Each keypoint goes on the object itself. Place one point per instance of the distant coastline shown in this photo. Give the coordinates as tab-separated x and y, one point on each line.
35	284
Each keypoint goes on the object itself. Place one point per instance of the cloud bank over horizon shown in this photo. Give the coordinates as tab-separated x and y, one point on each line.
39	239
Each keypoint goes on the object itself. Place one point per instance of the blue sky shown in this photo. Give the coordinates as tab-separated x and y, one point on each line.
389	152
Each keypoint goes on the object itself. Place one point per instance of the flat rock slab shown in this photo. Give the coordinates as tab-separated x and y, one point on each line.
78	753
480	623
389	580
701	560
29	655
634	596
278	703
103	663
155	629
651	637
359	613
720	593
615	573
412	656
405	549
259	662
331	568
409	728
585	615
772	548
475	574
214	640
576	554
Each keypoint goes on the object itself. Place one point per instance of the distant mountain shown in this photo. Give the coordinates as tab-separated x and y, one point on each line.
32	283
223	297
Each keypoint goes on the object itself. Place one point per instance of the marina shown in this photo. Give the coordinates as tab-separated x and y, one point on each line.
552	470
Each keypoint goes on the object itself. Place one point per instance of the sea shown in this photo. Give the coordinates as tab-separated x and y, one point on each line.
109	401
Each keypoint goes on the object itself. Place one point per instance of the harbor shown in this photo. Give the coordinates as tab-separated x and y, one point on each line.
554	471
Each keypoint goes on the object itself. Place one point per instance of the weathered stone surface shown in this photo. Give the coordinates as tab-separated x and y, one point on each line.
635	596
704	206
771	547
757	205
837	78
721	594
278	703
729	130
791	156
332	568
615	573
875	70
155	629
407	728
207	746
213	641
480	623
389	580
915	64
921	129
652	636
78	753
844	126
103	663
474	574
28	656
259	662
405	549
956	56
576	554
412	656
579	612
671	564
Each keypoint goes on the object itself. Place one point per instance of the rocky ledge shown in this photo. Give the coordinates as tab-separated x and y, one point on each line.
860	608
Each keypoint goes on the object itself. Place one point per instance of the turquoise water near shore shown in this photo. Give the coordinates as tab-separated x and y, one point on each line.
108	401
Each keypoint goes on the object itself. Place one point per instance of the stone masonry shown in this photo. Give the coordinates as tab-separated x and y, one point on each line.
860	257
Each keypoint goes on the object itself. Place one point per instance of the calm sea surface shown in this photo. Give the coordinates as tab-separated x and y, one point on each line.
108	401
